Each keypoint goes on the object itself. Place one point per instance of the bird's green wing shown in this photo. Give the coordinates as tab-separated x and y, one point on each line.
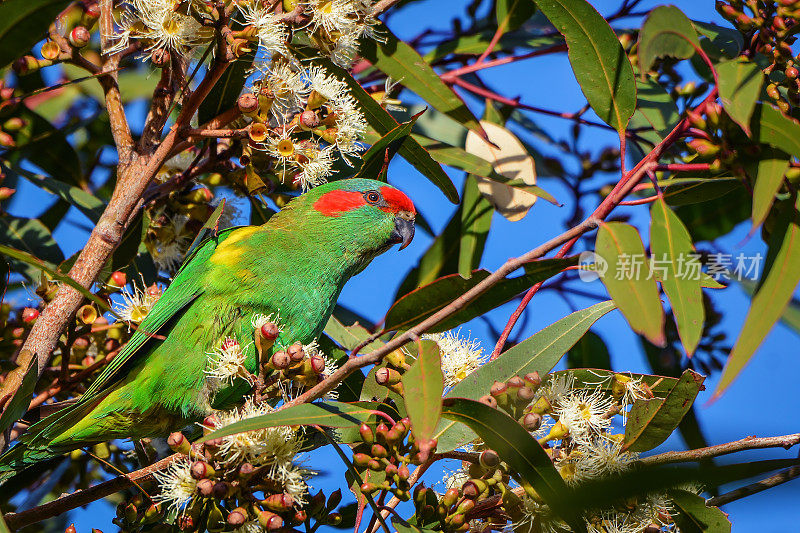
184	289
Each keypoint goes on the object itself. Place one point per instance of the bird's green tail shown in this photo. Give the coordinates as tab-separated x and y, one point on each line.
46	439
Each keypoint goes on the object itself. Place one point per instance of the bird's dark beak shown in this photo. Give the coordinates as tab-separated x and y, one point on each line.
403	231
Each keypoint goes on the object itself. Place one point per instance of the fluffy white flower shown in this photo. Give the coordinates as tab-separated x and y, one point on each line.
293	479
455	479
176	484
601	457
538	518
556	387
460	355
316	166
227	362
136	305
272	34
161	25
327	86
266	446
583	413
288	89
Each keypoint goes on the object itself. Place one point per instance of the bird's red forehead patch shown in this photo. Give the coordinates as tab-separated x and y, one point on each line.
334	203
397	200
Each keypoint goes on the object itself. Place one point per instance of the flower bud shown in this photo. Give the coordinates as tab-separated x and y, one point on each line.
299	517
178	443
387	376
450	497
220	490
488	400
532	380
531	421
391	470
473	488
29	315
366	434
270	330
205	487
489	459
247	104
237	517
466	505
6	193
296	352
281	360
308	120
269	520
379	451
369	488
71	529
79	37
541	406
118	279
278	503
403	473
201	470
525	395
246	471
317	364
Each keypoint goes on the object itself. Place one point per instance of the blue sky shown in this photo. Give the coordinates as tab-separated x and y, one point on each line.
761	402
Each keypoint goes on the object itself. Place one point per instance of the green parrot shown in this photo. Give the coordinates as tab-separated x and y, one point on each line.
294	266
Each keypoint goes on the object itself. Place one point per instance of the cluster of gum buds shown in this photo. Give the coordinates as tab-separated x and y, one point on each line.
719	141
299	120
484	478
770	28
281	373
575	426
249	481
175	220
385	453
70	32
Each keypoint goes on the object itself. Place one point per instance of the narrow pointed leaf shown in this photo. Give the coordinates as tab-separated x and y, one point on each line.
519	449
384	149
327	414
671	245
693	516
597	58
770	126
769	173
628	279
427	300
401	62
771	298
538	353
511	14
666	32
651	421
423	385
740	82
86	203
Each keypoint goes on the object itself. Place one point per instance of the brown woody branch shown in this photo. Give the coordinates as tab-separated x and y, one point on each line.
700	454
748	490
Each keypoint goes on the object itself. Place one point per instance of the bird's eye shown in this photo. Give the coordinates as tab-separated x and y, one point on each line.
372	197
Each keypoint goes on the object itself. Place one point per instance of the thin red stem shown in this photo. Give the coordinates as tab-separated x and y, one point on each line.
683	167
451	75
641	201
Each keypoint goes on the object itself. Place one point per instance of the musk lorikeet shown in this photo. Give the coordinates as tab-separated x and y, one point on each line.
293	266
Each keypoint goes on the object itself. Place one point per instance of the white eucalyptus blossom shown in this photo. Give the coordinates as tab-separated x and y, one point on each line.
584	413
288	89
226	362
136	304
602	457
176	484
259	319
460	355
266	446
316	165
272	33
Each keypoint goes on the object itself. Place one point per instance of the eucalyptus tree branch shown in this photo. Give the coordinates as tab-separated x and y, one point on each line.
83	497
748	490
700	454
116	111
